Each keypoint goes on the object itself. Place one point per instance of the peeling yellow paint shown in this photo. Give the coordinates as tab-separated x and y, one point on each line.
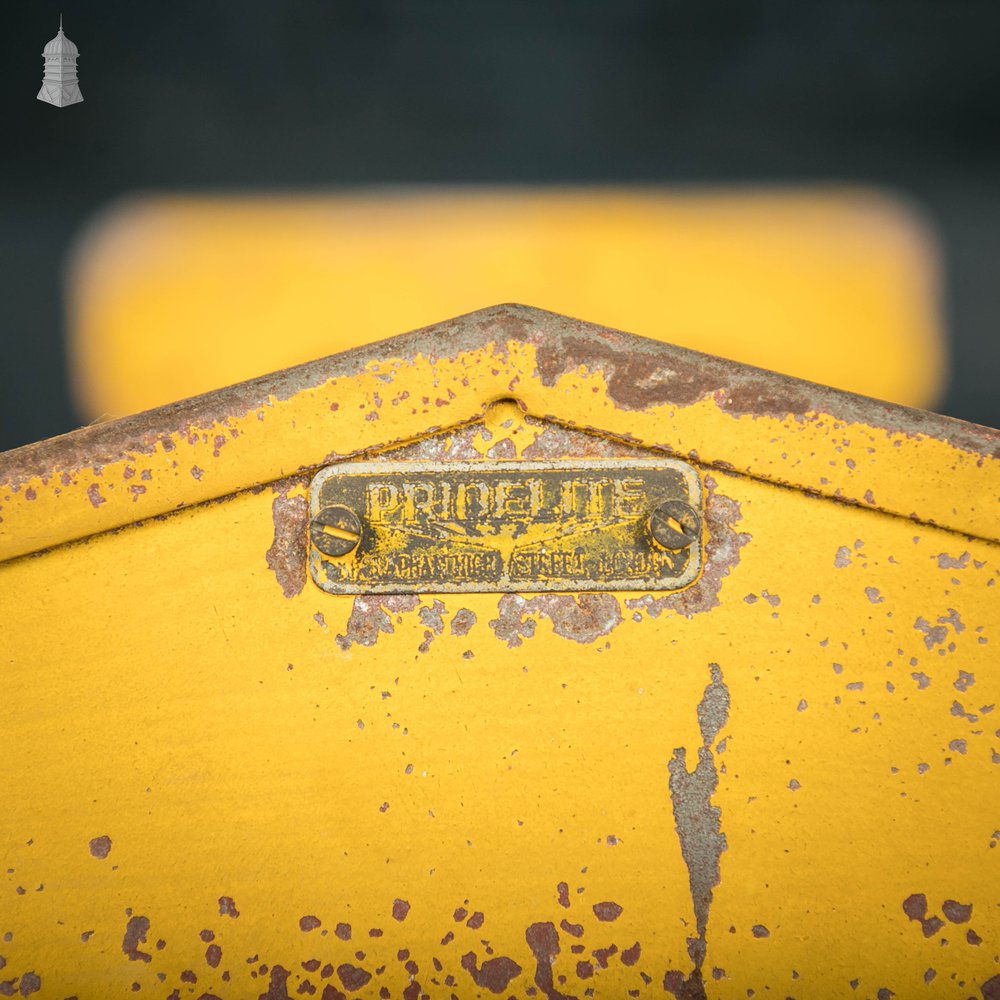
193	729
325	410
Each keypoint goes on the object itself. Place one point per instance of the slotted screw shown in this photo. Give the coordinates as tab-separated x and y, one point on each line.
674	525
336	530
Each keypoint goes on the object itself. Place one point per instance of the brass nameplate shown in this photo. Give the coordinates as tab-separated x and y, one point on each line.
410	527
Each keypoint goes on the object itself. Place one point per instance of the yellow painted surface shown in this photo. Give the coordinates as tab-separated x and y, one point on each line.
160	690
172	296
479	784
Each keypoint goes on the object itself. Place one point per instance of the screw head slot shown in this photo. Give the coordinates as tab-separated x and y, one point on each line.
336	530
674	525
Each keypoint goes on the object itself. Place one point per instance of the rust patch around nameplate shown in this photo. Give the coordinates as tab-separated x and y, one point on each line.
411	527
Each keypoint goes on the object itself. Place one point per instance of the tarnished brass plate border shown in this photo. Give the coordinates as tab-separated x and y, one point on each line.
461	527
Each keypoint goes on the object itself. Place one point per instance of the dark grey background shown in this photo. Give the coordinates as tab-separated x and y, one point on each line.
318	93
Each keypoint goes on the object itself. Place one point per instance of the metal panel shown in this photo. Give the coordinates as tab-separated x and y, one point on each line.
223	782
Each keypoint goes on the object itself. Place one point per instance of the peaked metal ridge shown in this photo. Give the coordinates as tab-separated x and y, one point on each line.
716	413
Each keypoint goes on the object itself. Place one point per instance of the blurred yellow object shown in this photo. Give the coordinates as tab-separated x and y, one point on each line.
174	296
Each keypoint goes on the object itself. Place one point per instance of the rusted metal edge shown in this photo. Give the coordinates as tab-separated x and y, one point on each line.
646	372
639	374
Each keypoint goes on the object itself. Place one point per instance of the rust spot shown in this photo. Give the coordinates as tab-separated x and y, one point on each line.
684	987
433	618
636	379
584	970
953	619
30	983
277	988
495	974
574	930
991	988
343	931
475	921
946	561
603	955
227	908
288	554
100	847
213	955
563	889
543	940
309	923
353	977
94	494
580	617
934	635
371	616
964	681
760	931
957	913
607	911
722	555
958	710
400	908
135	934
915	907
462	622
631	955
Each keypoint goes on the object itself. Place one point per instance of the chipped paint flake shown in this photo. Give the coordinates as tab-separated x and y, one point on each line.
698	822
580	617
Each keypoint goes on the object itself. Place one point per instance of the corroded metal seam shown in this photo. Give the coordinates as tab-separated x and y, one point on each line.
651	394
